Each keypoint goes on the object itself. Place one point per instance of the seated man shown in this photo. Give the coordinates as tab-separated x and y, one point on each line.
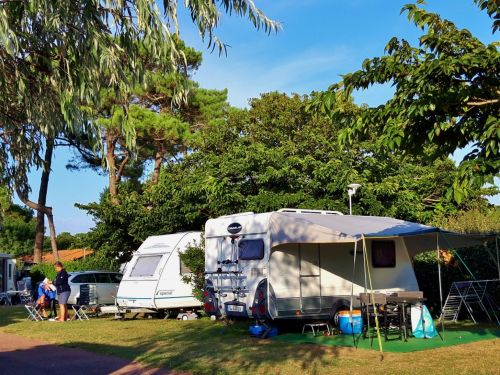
46	298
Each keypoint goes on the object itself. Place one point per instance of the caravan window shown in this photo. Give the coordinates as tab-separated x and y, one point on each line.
383	254
251	249
145	266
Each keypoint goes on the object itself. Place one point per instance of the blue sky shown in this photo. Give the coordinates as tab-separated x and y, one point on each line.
320	40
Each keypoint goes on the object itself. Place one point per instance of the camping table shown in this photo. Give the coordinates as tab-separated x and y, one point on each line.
404	302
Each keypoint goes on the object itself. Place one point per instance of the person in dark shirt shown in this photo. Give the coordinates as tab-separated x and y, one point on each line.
63	290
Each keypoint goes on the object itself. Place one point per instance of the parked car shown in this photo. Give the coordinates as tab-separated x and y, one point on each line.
106	283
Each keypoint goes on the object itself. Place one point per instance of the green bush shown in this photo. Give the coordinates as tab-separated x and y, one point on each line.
42	270
193	257
480	261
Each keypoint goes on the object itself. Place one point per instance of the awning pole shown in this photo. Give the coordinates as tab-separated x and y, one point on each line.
373	299
352	292
498	259
367	309
440	285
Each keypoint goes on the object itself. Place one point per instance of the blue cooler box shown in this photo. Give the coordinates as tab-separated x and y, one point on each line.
345	325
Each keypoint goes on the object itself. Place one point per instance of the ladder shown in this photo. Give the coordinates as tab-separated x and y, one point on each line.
471	295
229	278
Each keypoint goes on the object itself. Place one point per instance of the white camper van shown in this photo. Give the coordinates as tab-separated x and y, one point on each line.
152	279
303	263
7	273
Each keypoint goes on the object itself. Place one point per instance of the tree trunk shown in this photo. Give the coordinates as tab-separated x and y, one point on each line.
42	200
110	160
156	171
52	229
39	237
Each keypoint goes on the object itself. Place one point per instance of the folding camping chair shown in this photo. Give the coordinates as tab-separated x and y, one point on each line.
87	303
5	298
25	296
33	312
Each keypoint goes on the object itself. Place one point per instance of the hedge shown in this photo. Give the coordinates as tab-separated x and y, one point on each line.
40	271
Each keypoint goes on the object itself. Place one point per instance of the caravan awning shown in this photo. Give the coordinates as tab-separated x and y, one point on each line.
291	227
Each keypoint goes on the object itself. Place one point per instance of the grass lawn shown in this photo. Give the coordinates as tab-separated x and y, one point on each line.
206	347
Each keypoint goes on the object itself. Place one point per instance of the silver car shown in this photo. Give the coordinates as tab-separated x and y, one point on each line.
106	285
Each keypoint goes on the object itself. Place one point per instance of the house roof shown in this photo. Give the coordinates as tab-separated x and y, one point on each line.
64	256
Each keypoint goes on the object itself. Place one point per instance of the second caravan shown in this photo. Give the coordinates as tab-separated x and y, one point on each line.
152	280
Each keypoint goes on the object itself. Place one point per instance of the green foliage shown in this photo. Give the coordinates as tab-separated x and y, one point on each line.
278	155
18	231
476	220
193	257
446	97
113	236
91	263
481	261
5	201
275	154
120	229
67	241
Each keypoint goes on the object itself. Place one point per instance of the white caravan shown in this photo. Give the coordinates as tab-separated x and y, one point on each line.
152	280
307	263
7	273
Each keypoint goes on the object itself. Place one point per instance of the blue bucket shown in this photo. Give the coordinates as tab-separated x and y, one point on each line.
273	332
256	330
345	325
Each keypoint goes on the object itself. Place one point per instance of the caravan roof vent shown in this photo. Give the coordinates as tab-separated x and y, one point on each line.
159	246
305	211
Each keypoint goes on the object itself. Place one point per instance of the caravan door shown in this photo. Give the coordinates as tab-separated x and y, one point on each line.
310	278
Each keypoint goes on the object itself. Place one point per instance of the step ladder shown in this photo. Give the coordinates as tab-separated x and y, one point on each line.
474	297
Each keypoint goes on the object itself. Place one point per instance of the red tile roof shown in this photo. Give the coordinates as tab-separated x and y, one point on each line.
64	256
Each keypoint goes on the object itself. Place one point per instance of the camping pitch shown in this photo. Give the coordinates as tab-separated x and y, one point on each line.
307	264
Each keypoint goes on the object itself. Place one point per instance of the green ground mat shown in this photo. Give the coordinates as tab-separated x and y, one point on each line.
451	337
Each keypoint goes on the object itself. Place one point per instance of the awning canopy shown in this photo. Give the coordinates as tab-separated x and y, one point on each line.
291	227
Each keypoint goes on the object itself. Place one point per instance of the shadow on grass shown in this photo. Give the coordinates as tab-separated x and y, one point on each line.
12	314
200	347
212	349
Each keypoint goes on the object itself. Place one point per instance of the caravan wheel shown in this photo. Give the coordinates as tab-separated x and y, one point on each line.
334	315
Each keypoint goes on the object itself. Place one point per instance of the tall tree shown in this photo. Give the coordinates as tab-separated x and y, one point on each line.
41	207
57	56
152	115
446	97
